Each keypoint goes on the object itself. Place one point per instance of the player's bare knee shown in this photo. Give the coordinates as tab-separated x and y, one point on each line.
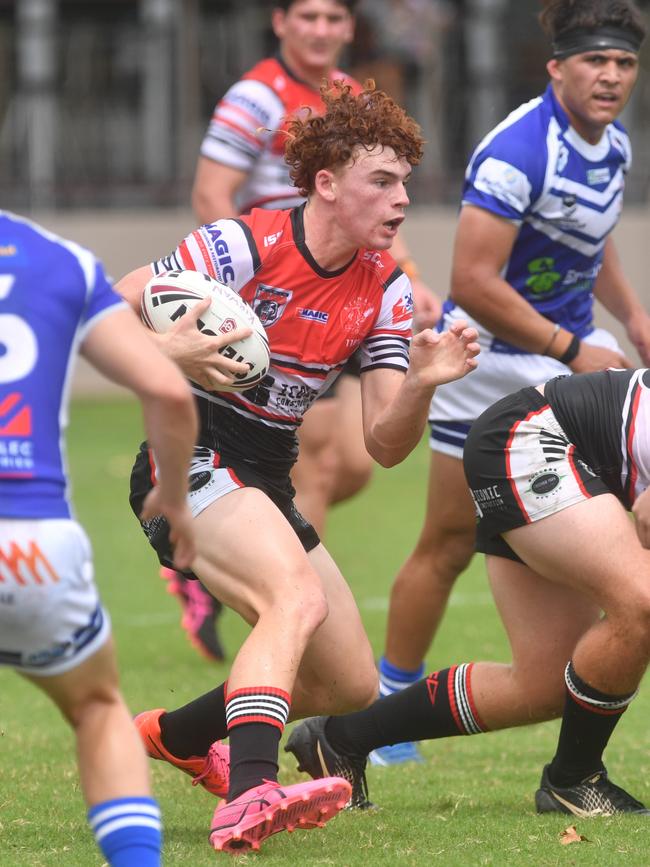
304	609
92	704
453	553
633	621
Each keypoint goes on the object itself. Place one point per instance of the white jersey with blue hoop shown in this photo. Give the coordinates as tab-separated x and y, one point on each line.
565	195
52	292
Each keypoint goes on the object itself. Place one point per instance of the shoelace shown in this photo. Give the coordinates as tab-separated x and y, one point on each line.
615	794
214	764
356	776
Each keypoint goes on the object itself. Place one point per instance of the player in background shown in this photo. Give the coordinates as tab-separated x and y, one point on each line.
241	166
321	280
54	301
543	191
552	471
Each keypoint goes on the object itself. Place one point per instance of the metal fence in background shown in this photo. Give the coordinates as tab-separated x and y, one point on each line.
104	102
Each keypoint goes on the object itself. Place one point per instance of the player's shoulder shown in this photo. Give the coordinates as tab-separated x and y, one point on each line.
262	221
265	71
261	231
620	139
25	242
272	76
519	139
380	267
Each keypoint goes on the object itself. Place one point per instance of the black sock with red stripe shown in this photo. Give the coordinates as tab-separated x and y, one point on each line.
439	706
588	721
192	729
256	719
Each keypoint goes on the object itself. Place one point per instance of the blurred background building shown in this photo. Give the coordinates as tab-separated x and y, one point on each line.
103	103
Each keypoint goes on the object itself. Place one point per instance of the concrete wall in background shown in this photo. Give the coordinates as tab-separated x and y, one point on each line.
126	240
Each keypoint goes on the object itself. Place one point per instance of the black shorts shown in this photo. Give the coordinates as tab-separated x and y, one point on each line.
212	475
521	466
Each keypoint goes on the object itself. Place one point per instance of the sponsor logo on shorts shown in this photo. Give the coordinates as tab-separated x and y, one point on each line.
545	482
486	499
26	565
199	480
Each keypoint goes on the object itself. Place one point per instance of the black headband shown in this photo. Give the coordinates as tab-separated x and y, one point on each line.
584	39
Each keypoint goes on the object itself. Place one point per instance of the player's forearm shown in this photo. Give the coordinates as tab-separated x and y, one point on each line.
210	205
171	428
398	429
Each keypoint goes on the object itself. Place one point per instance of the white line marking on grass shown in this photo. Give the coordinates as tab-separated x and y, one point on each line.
370	603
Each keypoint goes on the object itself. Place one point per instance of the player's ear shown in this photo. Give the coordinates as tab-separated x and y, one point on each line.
278	16
553	67
325	185
349	30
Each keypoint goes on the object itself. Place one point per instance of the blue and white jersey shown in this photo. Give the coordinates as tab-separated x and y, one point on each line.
565	195
52	292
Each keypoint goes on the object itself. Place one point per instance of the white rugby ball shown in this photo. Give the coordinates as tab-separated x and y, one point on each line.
170	295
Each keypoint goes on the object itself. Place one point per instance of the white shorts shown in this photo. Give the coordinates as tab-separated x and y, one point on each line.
457	404
51	619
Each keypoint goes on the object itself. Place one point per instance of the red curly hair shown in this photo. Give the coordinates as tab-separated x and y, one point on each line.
330	140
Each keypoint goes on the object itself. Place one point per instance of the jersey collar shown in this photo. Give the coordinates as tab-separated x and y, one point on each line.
298	228
594	152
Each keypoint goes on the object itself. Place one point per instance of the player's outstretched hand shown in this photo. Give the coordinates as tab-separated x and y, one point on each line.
437	358
198	355
181	525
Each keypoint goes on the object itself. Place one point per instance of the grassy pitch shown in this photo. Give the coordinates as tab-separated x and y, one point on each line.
470	803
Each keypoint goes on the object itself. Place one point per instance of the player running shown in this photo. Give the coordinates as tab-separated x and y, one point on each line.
241	166
552	471
55	300
322	282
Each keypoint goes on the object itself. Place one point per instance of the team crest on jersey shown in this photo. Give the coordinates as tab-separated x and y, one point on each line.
269	303
355	315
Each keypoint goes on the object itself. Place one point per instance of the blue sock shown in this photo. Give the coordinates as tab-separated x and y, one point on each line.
128	831
393	679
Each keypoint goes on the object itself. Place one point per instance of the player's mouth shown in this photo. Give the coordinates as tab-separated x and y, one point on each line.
393	225
606	98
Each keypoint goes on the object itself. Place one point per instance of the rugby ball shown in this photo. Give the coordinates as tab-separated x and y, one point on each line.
168	296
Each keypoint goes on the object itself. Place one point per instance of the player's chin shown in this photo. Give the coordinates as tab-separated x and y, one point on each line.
384	237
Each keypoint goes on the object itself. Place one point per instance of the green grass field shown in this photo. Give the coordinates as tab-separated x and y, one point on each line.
471	803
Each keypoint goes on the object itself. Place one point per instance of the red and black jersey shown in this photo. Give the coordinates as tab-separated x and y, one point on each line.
315	319
247	131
